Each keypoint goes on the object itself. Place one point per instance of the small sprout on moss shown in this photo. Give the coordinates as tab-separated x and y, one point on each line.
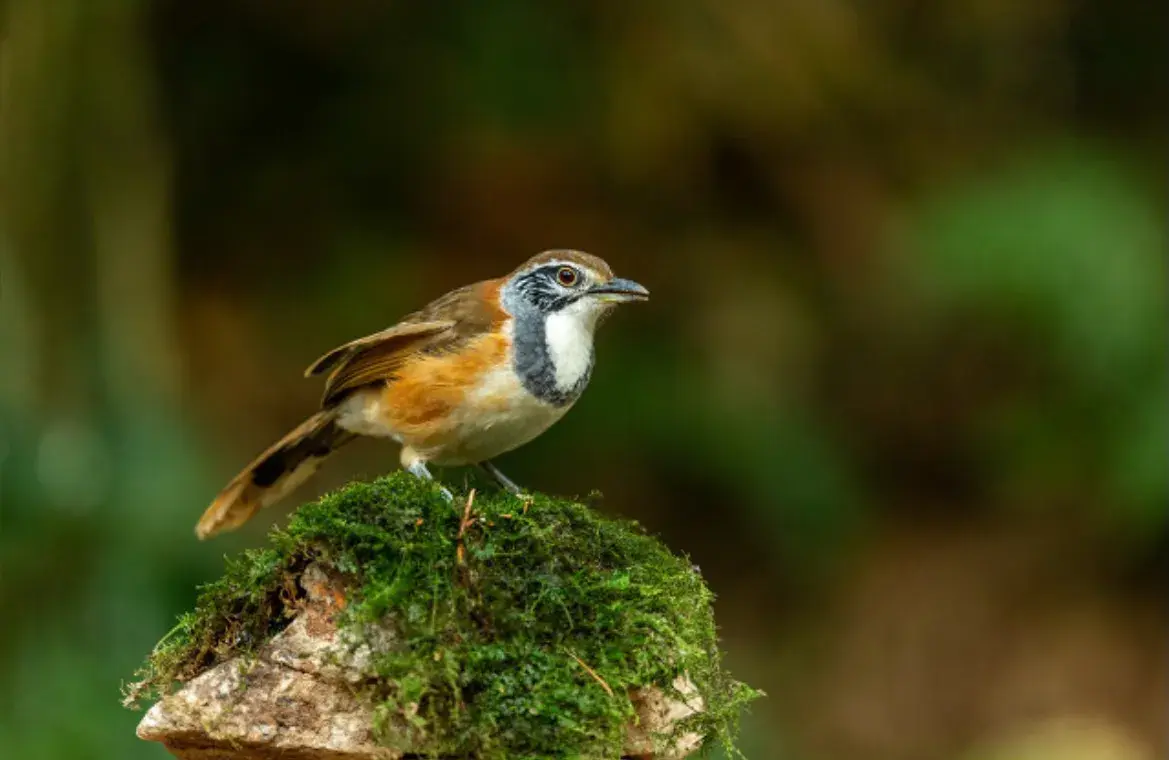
508	621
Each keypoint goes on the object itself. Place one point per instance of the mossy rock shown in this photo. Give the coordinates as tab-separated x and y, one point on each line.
521	628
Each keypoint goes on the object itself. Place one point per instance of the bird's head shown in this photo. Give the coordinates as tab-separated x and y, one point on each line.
570	284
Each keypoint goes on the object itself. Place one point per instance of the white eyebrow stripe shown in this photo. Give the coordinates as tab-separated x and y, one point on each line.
563	263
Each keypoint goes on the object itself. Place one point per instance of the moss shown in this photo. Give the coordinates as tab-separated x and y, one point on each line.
511	619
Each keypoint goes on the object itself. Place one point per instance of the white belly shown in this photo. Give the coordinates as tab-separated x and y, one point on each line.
498	416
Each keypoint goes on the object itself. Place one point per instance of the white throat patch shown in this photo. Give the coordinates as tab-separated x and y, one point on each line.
569	337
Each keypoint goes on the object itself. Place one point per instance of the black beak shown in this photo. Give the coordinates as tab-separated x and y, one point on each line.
619	290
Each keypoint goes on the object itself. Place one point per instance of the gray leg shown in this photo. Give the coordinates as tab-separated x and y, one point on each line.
419	470
504	481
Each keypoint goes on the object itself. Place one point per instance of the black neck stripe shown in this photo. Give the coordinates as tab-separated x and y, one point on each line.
534	364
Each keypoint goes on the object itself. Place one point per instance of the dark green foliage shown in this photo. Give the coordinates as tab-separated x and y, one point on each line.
502	615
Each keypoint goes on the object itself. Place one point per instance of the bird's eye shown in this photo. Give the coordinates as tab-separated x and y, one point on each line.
567	276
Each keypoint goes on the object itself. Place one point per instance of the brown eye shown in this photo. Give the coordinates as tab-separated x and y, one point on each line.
567	276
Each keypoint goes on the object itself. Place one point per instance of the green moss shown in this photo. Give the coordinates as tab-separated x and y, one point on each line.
498	633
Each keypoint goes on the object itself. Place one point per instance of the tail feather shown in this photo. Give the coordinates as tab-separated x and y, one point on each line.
274	474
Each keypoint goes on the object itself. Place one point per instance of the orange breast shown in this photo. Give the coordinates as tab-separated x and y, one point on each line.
420	403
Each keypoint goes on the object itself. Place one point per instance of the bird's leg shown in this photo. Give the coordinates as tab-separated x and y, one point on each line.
418	468
504	481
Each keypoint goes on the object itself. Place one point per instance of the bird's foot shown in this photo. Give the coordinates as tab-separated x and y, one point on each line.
504	481
419	469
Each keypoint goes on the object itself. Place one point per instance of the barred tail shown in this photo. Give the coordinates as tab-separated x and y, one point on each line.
274	474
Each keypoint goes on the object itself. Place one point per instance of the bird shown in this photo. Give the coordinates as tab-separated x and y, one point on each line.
476	373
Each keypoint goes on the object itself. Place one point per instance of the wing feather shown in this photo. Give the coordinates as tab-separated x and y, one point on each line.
403	333
443	325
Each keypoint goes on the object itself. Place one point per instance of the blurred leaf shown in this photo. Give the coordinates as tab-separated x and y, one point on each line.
1061	253
1066	240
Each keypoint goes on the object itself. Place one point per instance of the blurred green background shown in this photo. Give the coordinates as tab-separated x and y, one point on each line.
900	392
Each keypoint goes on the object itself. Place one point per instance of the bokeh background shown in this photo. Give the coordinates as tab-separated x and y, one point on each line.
900	392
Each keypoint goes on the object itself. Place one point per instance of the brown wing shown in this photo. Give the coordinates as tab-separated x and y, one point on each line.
443	325
400	334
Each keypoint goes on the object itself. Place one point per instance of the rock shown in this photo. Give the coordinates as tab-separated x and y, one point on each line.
657	713
296	699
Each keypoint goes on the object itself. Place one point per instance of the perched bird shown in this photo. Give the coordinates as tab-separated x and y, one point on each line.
478	372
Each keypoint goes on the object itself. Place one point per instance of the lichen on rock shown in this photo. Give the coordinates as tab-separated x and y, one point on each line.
385	620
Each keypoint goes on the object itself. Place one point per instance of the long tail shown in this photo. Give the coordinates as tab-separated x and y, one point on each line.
274	474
